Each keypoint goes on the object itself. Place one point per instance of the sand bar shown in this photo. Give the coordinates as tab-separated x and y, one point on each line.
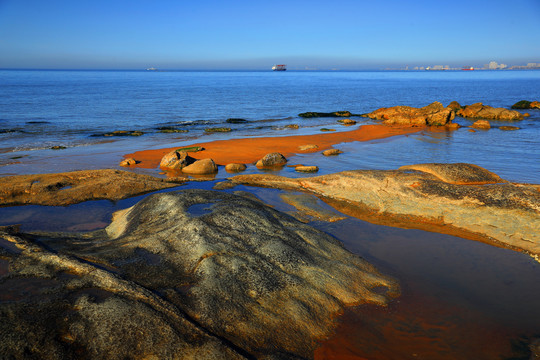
249	150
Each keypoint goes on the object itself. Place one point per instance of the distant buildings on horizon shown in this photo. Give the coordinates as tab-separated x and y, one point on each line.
492	65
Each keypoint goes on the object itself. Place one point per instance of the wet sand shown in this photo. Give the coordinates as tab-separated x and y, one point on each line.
249	150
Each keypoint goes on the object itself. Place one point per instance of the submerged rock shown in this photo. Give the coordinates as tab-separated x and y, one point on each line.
325	114
189	274
434	114
460	199
481	111
481	124
74	187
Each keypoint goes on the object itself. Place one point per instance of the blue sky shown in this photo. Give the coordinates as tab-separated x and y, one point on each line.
211	34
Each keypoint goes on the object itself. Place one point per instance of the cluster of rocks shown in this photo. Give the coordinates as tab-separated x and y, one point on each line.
434	114
449	198
180	160
525	104
189	274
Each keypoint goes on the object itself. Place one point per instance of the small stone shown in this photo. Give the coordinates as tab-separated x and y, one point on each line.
128	162
308	147
58	147
235	167
306	168
326	129
272	159
509	128
218	129
481	124
292	126
471	130
347	121
331	152
452	126
201	167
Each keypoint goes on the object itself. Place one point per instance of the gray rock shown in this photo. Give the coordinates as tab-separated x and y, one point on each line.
189	274
272	159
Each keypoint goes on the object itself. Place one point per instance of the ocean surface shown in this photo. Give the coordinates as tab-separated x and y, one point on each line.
42	109
460	299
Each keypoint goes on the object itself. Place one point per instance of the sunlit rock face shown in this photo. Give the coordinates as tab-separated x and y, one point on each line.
196	272
461	199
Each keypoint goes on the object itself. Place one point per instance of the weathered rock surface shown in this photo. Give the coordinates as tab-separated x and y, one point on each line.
74	187
235	167
441	197
481	111
326	114
434	114
192	274
128	162
347	122
308	147
454	105
270	160
306	168
481	124
201	167
332	152
525	104
176	160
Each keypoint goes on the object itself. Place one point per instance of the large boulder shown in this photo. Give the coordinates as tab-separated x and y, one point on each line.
271	160
448	198
176	159
77	186
201	167
434	114
186	274
481	111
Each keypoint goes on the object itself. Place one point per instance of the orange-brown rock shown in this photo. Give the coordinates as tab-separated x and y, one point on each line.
74	187
535	105
434	114
201	167
128	162
270	160
481	111
176	160
235	167
332	152
481	124
304	168
448	198
454	105
509	128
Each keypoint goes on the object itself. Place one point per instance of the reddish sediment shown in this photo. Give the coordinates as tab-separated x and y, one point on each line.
249	150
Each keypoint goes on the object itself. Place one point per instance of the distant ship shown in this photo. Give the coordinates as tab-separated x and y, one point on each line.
151	69
279	67
468	68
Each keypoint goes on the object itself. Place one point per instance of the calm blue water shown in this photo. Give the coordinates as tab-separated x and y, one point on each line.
40	109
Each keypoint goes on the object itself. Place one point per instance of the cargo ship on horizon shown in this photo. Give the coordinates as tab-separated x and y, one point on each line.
279	67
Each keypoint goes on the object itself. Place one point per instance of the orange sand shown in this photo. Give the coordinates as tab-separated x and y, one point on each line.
249	150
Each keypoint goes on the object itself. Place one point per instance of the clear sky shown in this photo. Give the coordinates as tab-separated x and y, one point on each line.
252	34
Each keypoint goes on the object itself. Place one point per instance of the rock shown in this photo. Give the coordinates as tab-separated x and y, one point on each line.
458	173
309	169
454	105
524	104
235	167
292	126
308	147
191	274
347	122
308	205
121	133
236	121
452	126
421	199
270	160
434	114
128	162
176	160
509	128
74	187
535	105
332	152
58	147
481	124
326	129
218	129
323	114
201	167
480	111
471	130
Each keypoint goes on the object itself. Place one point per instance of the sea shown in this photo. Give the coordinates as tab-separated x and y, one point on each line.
460	299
